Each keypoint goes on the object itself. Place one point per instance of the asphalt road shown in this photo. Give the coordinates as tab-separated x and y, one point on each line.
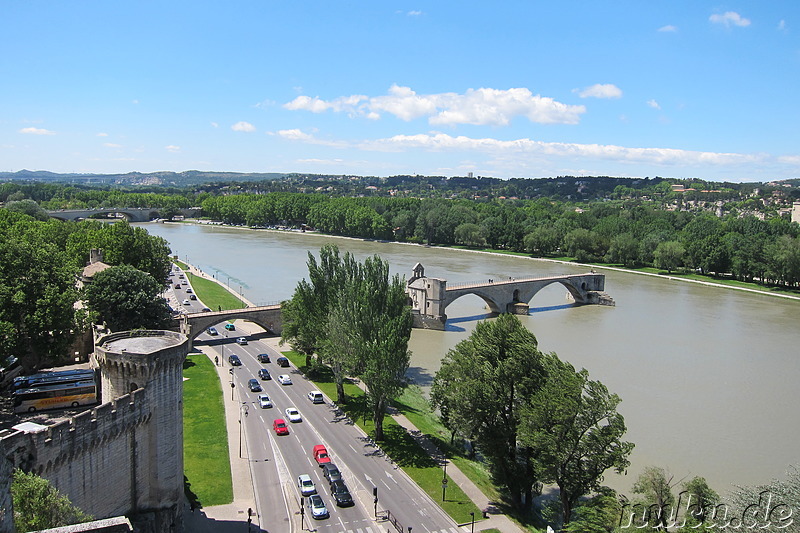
276	461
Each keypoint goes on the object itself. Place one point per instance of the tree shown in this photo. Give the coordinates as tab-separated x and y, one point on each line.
470	234
38	505
655	485
28	207
668	255
484	385
576	432
369	327
624	249
700	500
543	240
126	298
770	507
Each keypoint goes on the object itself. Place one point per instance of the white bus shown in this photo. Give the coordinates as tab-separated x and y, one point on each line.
55	396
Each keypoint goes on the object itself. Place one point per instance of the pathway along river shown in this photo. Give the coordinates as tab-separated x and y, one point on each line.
708	376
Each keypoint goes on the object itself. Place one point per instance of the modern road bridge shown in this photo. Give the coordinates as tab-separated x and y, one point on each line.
133	214
431	296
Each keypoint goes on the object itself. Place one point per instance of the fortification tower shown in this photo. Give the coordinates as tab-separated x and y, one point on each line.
152	360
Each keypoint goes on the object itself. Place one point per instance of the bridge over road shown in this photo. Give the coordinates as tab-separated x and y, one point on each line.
133	214
431	296
266	316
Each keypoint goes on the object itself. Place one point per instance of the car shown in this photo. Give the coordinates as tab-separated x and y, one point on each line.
282	361
263	373
317	507
331	473
280	427
212	331
230	327
189	290
234	360
284	379
254	385
264	402
316	397
305	484
206	309
186	302
263	358
177	285
293	415
320	453
241	340
180	276
193	297
341	494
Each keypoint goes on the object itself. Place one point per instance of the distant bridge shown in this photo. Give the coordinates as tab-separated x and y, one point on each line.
132	214
266	316
431	296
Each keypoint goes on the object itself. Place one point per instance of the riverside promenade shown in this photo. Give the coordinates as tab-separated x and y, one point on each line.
233	516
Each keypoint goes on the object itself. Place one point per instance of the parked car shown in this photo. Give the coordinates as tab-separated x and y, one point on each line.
282	361
263	373
206	309
316	397
306	485
317	507
264	402
241	340
234	360
263	358
284	379
293	415
341	494
230	327
320	453
280	427
331	473
254	385
212	331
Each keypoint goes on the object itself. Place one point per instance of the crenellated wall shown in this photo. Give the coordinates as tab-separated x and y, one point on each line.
124	457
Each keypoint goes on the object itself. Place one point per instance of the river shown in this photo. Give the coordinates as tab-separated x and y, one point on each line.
708	376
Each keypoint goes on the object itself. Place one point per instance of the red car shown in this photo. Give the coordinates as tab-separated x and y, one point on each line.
280	426
321	455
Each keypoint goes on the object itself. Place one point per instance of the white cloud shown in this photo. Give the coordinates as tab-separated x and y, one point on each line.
243	126
36	131
729	18
101	134
782	25
668	28
134	101
653	104
112	145
415	13
214	125
482	106
172	148
600	90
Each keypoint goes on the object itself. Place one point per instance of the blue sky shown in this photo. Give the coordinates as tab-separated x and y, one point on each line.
506	89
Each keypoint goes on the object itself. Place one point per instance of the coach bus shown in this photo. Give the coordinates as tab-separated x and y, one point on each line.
55	396
59	376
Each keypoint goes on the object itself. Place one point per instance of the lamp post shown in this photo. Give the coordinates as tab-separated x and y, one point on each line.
472	525
444	479
245	409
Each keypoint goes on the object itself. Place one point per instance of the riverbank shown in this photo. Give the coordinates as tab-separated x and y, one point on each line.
670	277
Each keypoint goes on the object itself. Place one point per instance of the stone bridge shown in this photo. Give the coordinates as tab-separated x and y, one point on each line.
133	214
431	296
267	316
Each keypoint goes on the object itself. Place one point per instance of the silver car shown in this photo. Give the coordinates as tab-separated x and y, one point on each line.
317	507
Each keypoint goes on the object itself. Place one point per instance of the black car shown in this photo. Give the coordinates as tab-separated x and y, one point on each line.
254	385
282	361
341	494
263	358
234	360
331	473
263	373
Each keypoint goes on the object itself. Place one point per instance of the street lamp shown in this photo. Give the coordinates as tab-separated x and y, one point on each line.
472	525
245	409
444	479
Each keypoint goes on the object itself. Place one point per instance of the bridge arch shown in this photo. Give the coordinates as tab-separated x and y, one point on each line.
268	317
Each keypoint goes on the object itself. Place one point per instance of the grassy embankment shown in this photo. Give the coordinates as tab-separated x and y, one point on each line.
205	441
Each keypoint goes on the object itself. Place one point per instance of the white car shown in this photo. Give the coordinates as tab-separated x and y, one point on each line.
241	341
284	379
316	397
186	302
264	402
307	487
293	414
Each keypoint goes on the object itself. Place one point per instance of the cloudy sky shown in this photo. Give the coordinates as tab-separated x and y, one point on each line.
679	88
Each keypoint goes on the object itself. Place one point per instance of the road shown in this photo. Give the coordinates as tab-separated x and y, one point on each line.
276	461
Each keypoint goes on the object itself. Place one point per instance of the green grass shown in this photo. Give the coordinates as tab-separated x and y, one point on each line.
206	463
213	295
398	444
